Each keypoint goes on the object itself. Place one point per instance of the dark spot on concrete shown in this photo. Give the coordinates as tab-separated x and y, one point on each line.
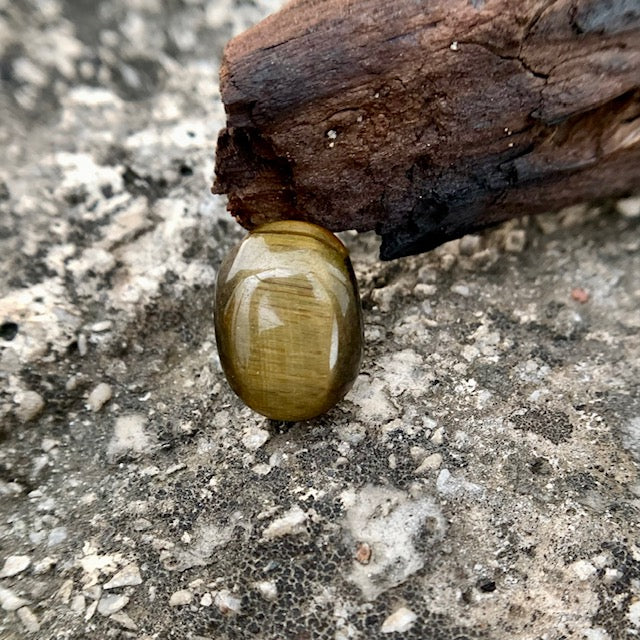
107	191
548	423
8	330
486	586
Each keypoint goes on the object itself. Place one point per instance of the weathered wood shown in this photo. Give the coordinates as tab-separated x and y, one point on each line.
427	120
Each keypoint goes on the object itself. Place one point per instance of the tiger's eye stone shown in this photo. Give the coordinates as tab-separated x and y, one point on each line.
288	320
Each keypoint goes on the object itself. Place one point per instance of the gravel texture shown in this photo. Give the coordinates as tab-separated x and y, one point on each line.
479	481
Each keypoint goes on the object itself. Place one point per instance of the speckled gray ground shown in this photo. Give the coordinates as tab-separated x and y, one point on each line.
480	481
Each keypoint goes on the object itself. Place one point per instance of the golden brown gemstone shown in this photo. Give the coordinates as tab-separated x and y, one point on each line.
288	320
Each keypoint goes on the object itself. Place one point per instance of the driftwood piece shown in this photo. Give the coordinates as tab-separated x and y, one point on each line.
428	120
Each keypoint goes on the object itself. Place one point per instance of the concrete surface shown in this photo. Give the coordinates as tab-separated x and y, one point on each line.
479	481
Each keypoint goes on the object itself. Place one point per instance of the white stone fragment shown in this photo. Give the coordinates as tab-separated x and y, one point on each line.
14	565
9	601
634	613
390	521
449	485
422	290
227	602
124	620
83	349
181	598
267	589
438	436
400	621
64	592
44	565
99	327
253	438
127	577
57	536
111	604
583	569
28	619
461	290
78	604
129	435
261	469
430	463
629	207
30	404
206	600
291	523
49	444
91	609
100	395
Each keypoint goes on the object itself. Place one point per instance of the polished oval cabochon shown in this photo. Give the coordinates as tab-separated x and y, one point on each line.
288	320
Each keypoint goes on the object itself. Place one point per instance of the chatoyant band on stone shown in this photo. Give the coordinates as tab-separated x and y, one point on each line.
288	320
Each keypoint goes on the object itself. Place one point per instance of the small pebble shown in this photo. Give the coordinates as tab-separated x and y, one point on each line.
583	569
267	589
14	565
547	222
515	241
612	575
573	215
28	619
9	601
629	207
181	598
44	565
206	600
427	274
98	327
111	604
633	613
461	290
82	345
253	438
127	577
400	621
30	404
78	604
363	553
91	609
100	395
227	602
469	245
48	444
124	621
447	260
291	523
430	463
422	290
64	592
57	536
580	295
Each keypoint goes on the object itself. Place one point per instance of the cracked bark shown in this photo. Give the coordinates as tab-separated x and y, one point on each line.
426	124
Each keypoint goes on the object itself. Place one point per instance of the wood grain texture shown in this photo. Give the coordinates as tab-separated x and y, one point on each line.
428	120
